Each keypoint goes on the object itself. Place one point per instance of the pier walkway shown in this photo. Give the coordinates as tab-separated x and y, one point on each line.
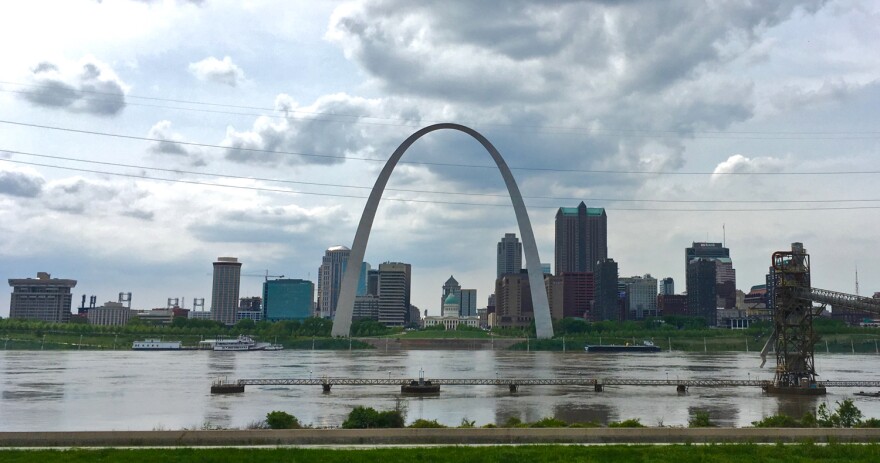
598	384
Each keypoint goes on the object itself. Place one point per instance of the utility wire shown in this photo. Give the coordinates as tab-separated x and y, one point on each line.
438	164
492	195
322	116
280	190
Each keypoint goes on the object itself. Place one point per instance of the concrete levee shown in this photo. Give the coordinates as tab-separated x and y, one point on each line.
440	344
451	436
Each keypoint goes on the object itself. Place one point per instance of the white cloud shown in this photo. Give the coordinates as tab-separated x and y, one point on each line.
87	87
170	143
218	71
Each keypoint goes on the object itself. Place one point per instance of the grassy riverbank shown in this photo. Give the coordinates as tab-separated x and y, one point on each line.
535	454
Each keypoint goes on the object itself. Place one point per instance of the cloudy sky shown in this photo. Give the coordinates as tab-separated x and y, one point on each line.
140	140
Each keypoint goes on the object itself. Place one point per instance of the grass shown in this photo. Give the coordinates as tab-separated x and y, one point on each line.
533	454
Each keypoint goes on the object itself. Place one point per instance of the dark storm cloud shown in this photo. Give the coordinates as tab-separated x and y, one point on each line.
615	73
91	88
20	184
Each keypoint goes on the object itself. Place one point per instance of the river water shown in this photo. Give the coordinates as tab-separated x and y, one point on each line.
128	390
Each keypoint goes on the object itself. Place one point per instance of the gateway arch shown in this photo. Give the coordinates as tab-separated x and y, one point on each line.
345	303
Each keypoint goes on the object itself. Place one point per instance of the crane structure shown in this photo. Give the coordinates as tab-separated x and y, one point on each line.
793	339
264	275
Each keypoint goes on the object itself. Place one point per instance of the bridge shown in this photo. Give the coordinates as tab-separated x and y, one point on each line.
597	384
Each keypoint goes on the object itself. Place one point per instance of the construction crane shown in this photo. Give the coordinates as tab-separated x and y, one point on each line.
793	337
264	275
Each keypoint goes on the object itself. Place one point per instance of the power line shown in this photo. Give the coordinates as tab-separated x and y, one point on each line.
436	164
321	116
279	190
455	193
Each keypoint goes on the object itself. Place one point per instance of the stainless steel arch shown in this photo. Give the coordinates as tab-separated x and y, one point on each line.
345	303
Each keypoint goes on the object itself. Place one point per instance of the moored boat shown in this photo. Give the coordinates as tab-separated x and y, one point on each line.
645	347
156	344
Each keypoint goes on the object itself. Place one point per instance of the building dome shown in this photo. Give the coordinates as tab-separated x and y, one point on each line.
338	248
452	299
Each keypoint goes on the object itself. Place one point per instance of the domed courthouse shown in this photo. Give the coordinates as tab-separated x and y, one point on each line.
453	311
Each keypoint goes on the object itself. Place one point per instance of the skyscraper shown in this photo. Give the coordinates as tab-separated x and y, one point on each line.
288	299
468	303
224	293
702	289
44	298
330	279
667	286
509	255
725	274
394	293
606	303
581	238
363	280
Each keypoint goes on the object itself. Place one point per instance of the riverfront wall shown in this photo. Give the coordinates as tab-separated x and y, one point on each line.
441	344
452	436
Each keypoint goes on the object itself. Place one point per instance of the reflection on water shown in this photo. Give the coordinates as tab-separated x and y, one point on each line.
43	390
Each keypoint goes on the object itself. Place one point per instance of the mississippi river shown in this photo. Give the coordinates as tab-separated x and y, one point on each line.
127	390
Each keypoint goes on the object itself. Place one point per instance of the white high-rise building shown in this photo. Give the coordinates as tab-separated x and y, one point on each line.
330	275
394	292
641	296
509	255
224	294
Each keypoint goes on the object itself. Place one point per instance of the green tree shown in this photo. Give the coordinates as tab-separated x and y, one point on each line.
282	420
245	324
846	415
630	423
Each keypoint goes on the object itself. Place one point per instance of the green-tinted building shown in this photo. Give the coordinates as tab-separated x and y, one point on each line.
288	299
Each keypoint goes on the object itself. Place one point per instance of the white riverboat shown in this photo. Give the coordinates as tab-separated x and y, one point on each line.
156	344
243	343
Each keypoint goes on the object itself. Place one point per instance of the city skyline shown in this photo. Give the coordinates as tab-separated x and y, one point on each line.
620	121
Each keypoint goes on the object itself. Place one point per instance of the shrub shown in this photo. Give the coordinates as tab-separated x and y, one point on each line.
700	420
420	423
512	422
548	422
870	423
777	421
587	424
466	424
368	417
281	420
630	423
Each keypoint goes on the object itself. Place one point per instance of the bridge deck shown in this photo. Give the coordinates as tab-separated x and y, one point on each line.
535	382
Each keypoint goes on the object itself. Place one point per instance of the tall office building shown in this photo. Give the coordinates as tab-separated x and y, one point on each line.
667	286
363	280
702	289
373	282
394	293
641	296
288	299
570	295
44	298
581	238
606	305
725	274
224	293
509	255
513	301
330	275
468	303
